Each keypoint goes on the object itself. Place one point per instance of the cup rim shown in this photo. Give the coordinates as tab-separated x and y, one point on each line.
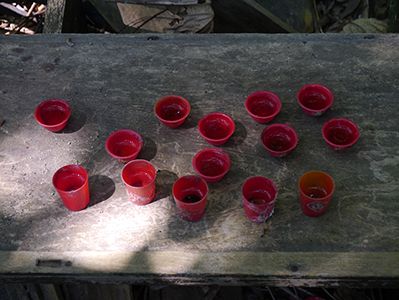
185	177
322	87
83	170
136	161
262	92
225	116
278	125
40	106
263	179
134	133
324	132
324	199
224	155
165	98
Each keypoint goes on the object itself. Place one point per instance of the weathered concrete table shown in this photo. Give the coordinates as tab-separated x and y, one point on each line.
113	82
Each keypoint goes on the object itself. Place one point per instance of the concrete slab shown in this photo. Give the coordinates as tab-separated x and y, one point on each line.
113	81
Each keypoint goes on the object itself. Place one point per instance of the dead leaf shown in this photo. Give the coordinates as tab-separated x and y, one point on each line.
366	26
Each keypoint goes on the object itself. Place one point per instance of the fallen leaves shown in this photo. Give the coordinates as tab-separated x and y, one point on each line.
333	15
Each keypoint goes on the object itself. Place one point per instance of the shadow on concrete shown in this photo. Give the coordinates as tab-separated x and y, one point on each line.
101	188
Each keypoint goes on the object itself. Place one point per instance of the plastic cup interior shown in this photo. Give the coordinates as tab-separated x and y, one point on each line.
124	145
316	189
340	133
216	128
138	173
315	99
53	114
172	110
259	195
70	178
279	139
211	164
190	193
263	106
71	182
139	178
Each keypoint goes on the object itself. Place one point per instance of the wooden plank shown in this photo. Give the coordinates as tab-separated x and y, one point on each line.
64	16
314	269
55	11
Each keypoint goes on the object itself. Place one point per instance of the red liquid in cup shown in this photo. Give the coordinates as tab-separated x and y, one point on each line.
192	198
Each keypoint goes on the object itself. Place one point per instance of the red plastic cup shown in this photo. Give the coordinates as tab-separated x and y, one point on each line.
53	114
172	110
263	106
71	183
124	145
340	133
190	193
259	195
139	178
279	139
211	164
315	99
315	190
216	128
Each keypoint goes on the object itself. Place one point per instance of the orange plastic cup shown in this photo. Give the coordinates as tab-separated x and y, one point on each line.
315	190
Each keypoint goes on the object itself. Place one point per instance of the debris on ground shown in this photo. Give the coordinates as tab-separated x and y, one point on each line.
24	17
351	16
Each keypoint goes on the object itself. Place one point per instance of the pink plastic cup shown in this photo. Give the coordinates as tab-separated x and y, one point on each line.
315	99
124	145
71	183
53	114
315	190
263	106
172	110
340	133
139	178
259	196
279	139
211	164
190	193
216	128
